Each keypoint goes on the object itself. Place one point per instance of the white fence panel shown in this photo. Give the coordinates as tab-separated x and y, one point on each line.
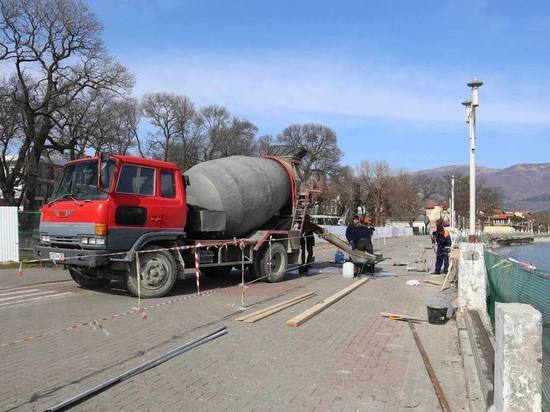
9	235
380	232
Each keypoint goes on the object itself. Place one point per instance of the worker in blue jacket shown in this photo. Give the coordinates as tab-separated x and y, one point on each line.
366	230
353	232
442	239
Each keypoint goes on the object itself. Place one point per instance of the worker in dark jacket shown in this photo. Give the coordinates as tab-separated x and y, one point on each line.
366	229
353	232
307	241
442	239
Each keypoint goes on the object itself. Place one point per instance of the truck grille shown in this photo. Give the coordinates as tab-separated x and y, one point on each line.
65	240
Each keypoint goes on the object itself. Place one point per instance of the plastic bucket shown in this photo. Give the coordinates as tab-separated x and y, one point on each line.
348	270
437	316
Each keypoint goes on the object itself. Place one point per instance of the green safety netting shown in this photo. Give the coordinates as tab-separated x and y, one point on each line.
510	282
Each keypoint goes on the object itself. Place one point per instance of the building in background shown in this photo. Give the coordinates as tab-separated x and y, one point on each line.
48	172
501	221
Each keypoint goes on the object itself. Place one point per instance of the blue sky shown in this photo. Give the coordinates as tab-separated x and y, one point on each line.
388	77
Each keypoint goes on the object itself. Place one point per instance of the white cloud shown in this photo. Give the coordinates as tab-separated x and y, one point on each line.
279	84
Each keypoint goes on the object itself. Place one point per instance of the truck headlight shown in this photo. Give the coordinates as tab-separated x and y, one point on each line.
91	240
45	238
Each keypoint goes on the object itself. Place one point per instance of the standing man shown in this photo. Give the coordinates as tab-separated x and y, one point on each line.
352	232
307	241
365	236
443	240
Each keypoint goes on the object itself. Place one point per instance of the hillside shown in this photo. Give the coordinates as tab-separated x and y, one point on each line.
523	186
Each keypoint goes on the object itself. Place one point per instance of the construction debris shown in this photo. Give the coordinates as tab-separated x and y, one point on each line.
398	316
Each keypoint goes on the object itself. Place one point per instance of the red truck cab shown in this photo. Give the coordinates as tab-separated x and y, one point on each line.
109	204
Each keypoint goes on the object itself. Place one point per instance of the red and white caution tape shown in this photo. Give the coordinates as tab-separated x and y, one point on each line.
197	269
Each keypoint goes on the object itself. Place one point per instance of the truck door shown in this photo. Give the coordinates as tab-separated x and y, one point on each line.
170	199
134	210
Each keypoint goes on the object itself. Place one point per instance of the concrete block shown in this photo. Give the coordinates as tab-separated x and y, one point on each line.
518	358
472	279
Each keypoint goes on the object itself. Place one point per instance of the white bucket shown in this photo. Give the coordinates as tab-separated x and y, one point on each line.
348	270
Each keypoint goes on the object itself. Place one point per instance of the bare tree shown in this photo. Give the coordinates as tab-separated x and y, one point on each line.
323	154
405	197
55	50
263	144
407	194
347	189
11	142
374	180
116	130
170	114
225	135
487	198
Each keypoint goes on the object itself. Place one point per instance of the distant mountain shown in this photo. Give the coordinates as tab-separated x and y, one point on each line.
523	186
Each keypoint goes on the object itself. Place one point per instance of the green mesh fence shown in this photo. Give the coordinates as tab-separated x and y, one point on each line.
509	282
480	238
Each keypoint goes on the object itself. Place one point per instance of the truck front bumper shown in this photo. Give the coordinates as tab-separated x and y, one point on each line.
74	257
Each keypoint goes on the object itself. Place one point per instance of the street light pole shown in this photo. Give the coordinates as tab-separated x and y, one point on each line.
468	105
452	201
471	107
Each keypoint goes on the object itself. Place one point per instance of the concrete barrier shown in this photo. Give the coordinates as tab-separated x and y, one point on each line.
517	374
472	280
518	358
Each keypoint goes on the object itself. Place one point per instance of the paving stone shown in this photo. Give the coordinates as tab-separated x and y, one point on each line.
346	358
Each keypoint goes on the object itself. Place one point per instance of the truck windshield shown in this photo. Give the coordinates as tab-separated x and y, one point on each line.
79	181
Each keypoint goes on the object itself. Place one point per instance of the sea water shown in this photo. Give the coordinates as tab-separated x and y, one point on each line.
537	254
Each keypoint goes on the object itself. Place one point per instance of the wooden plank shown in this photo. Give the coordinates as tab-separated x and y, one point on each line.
399	316
448	274
258	312
319	307
270	312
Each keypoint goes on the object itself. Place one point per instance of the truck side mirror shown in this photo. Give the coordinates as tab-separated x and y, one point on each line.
104	180
186	181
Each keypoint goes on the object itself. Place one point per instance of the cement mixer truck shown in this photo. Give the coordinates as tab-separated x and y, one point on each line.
107	208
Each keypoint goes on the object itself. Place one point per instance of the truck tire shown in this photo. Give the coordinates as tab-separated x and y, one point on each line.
85	280
158	274
279	262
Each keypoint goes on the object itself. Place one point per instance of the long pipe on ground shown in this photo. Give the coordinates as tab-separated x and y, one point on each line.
69	403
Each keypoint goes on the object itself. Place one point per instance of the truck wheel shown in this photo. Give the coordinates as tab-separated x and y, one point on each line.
84	279
158	274
279	262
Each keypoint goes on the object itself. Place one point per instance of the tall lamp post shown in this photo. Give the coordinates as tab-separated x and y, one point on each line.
452	201
471	107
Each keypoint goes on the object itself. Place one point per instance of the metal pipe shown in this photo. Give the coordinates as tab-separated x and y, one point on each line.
443	403
69	403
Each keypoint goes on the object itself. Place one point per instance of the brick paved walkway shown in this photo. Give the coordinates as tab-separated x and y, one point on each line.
346	358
